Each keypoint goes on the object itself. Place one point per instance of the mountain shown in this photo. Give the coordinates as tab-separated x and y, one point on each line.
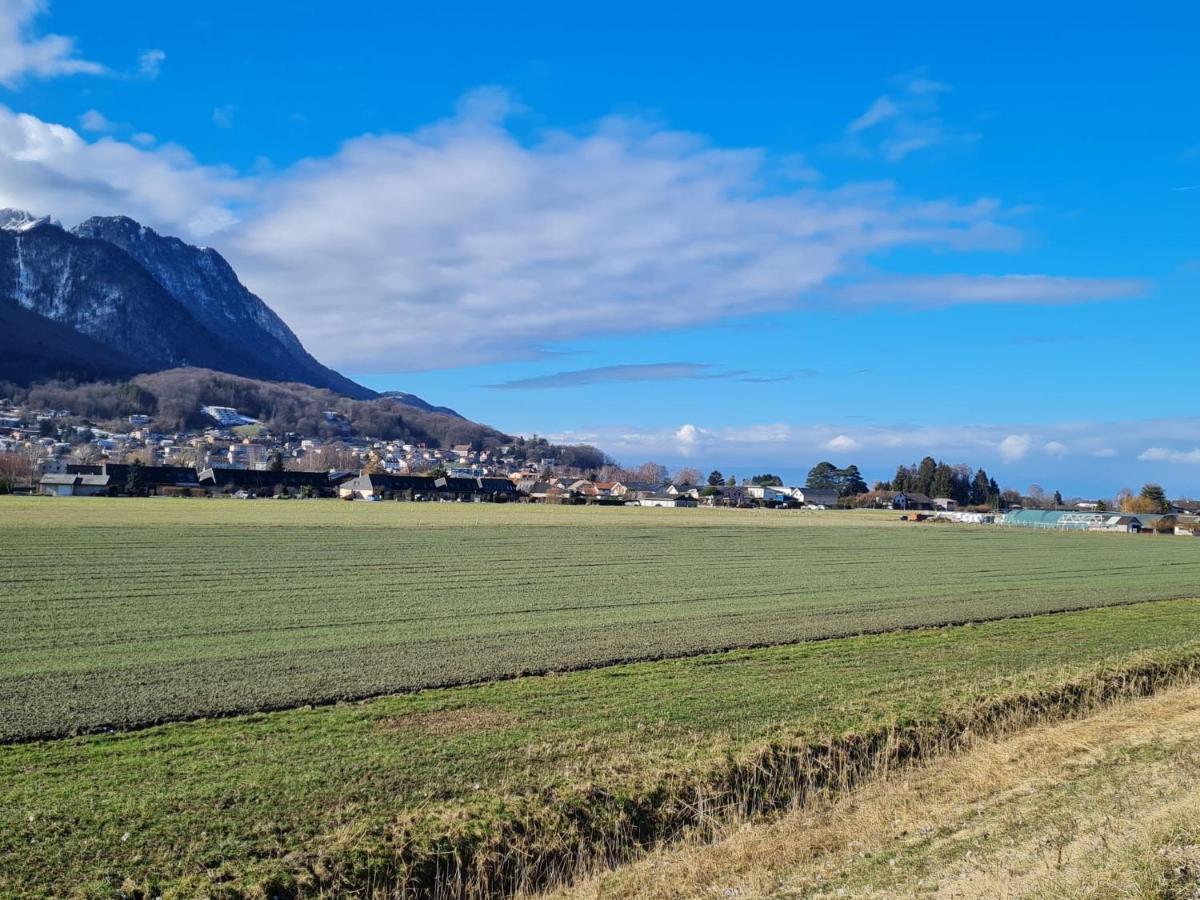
33	348
414	400
151	301
206	285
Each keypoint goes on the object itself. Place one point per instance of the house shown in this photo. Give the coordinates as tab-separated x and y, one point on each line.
380	486
737	497
769	495
683	490
583	487
544	492
633	490
68	484
911	500
227	417
822	497
945	504
675	501
497	489
472	489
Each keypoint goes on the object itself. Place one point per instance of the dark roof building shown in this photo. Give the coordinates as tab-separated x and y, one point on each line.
154	476
258	480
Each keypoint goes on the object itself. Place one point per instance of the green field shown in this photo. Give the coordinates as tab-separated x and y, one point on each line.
368	796
127	612
130	612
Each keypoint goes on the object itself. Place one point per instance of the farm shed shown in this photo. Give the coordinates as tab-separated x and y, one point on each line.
56	484
1051	518
1131	524
1187	526
153	477
1071	521
261	481
668	500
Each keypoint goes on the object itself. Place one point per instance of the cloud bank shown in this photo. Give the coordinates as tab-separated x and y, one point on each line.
460	243
1064	447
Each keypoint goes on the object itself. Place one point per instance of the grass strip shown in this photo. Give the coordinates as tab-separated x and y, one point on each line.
484	790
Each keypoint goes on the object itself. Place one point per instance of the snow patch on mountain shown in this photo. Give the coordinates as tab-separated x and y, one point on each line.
20	220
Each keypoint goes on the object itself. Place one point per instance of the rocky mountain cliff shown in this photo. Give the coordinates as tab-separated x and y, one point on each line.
138	299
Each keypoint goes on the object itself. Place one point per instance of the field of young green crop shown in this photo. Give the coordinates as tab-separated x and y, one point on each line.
413	792
129	612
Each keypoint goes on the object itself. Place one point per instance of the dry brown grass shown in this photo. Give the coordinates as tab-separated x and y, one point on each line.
1107	806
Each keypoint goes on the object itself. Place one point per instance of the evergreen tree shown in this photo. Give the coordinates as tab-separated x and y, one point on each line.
980	488
135	480
923	480
941	485
823	476
960	485
715	478
276	462
731	481
852	482
1058	499
767	480
902	480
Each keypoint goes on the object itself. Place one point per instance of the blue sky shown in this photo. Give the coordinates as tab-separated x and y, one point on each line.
745	239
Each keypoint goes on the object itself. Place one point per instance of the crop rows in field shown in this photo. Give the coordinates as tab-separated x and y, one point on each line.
369	794
123	624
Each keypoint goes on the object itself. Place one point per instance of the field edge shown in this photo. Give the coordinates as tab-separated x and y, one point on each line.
532	847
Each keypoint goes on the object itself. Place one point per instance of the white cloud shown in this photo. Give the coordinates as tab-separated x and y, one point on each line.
843	443
94	120
223	115
905	120
460	244
52	169
954	290
1163	454
150	63
689	437
24	53
1057	449
1014	447
143	139
1005	450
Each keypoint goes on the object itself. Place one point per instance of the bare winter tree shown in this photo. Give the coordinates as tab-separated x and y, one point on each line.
688	476
86	454
16	470
650	473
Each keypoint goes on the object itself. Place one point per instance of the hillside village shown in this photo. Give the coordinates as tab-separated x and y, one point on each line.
55	453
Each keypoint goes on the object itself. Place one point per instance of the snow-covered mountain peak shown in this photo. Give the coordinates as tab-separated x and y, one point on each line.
22	220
